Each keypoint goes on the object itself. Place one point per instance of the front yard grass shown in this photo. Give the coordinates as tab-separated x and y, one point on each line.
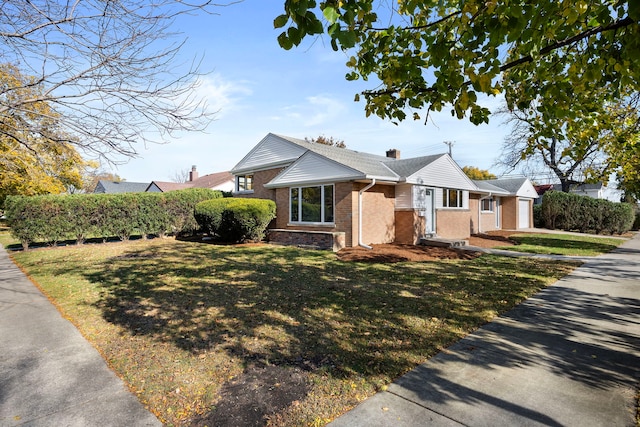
191	326
562	244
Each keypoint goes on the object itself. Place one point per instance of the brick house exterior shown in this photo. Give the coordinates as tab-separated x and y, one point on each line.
334	197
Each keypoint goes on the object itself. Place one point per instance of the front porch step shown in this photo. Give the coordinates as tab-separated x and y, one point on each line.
443	243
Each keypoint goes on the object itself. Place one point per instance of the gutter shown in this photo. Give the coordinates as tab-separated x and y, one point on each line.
360	242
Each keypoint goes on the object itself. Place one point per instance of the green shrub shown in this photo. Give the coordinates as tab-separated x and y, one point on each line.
54	218
538	221
572	212
236	220
181	208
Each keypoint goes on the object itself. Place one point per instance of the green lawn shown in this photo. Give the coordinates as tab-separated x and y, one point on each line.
183	322
563	244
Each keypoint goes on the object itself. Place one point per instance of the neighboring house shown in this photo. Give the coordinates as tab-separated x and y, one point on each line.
595	191
335	197
222	181
120	187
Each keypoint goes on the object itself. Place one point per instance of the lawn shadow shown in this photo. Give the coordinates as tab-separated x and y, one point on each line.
306	310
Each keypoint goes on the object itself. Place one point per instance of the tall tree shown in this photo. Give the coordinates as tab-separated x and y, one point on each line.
425	54
585	148
110	68
37	156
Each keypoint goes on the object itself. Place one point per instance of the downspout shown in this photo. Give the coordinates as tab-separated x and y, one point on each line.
360	243
480	211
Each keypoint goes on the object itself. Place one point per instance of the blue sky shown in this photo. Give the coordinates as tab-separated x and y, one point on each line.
258	88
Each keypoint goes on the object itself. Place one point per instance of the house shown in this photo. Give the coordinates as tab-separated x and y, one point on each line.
334	197
120	187
513	206
594	190
222	181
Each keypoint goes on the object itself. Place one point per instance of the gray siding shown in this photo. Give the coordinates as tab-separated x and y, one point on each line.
271	151
444	173
313	168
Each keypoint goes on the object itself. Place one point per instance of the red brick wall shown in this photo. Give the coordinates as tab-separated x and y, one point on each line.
453	223
409	227
378	212
343	213
259	180
314	239
510	213
474	201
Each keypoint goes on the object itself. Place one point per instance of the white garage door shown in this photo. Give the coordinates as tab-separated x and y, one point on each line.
523	214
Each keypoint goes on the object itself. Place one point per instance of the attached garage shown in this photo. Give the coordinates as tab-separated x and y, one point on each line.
524	213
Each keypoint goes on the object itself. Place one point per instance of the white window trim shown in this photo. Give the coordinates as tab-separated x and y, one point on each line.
492	203
322	222
461	199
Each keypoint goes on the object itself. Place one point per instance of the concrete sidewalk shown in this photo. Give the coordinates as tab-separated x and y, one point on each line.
49	374
569	356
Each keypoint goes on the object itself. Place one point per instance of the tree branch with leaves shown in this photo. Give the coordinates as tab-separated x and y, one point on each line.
430	54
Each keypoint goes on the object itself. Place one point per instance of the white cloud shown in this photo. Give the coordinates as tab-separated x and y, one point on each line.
221	95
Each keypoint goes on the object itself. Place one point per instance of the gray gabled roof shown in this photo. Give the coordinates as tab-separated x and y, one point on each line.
407	167
512	185
520	186
120	187
488	187
370	165
588	186
302	163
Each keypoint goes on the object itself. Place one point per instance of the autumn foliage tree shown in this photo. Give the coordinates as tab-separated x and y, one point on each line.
425	55
36	155
477	173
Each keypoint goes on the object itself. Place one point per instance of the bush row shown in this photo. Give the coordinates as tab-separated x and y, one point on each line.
235	220
572	212
54	218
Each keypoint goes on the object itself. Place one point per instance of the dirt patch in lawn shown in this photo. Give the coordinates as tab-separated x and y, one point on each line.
260	392
399	253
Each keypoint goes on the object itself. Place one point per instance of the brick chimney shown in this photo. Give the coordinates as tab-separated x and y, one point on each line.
393	153
193	175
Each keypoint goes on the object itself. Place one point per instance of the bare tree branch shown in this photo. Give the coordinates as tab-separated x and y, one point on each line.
111	69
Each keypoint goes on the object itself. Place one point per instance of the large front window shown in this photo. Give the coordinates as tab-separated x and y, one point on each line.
312	204
452	198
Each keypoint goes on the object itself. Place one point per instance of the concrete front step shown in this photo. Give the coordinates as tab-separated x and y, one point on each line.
443	243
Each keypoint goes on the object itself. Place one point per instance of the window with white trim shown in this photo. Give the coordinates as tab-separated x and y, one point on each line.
244	183
314	204
486	205
452	198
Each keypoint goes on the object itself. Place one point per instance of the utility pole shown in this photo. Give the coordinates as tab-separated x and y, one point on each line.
450	144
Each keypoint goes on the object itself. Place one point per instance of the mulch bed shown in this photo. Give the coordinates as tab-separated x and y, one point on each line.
392	252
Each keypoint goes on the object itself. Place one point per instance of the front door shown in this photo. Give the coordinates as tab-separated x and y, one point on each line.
424	203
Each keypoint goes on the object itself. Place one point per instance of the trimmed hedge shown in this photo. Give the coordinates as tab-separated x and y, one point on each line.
235	220
54	218
572	212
